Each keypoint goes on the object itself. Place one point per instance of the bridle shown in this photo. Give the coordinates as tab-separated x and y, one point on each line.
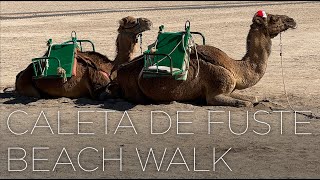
134	35
136	24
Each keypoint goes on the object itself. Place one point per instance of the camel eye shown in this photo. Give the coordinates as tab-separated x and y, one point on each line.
273	19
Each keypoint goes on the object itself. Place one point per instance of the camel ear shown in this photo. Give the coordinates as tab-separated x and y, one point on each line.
123	21
260	18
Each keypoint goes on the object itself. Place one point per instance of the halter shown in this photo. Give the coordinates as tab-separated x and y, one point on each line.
140	35
137	23
134	35
282	73
311	115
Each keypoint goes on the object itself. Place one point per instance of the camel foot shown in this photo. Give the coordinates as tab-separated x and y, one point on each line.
252	99
223	100
244	104
112	91
8	90
29	92
268	105
105	96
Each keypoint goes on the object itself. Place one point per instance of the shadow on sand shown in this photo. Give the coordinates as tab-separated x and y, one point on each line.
114	104
123	105
17	99
117	104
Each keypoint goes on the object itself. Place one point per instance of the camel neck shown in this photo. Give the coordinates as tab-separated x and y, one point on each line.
254	64
125	47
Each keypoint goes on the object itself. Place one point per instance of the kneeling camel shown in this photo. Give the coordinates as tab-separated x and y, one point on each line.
219	75
92	71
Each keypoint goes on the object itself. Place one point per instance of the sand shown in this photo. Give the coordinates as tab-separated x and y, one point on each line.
278	148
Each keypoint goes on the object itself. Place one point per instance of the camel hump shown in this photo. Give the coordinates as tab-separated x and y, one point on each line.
209	54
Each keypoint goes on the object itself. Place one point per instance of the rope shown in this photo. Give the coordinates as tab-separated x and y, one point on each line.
186	53
154	49
195	47
47	61
285	90
184	48
61	71
140	35
171	51
283	81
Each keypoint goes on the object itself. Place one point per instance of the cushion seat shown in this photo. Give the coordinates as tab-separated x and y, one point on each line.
163	68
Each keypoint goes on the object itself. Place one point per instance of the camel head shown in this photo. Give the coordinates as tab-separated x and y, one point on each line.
133	25
272	24
129	30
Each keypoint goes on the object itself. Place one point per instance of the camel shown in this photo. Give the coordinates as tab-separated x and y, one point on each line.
93	69
219	75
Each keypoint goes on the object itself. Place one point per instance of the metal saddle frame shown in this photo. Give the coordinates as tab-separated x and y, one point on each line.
59	62
170	54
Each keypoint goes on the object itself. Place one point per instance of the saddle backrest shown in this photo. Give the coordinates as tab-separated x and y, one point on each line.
65	53
173	44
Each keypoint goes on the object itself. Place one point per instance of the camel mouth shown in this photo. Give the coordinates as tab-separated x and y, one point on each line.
294	27
290	23
150	25
148	28
146	24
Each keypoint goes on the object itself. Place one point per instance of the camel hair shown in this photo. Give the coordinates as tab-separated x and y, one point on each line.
219	74
92	71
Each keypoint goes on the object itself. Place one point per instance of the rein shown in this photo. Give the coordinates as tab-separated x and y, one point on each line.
282	73
311	115
138	36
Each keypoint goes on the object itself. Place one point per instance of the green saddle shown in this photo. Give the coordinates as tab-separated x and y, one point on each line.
60	60
169	55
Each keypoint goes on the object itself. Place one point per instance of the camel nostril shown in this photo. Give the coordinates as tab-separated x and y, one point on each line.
290	20
290	23
295	26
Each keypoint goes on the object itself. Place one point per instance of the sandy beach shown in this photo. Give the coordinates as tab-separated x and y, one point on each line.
76	138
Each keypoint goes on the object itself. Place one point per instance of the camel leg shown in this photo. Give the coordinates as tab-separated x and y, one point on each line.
97	83
24	85
29	90
223	100
235	95
220	93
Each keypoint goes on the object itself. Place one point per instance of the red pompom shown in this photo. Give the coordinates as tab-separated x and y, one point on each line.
261	13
